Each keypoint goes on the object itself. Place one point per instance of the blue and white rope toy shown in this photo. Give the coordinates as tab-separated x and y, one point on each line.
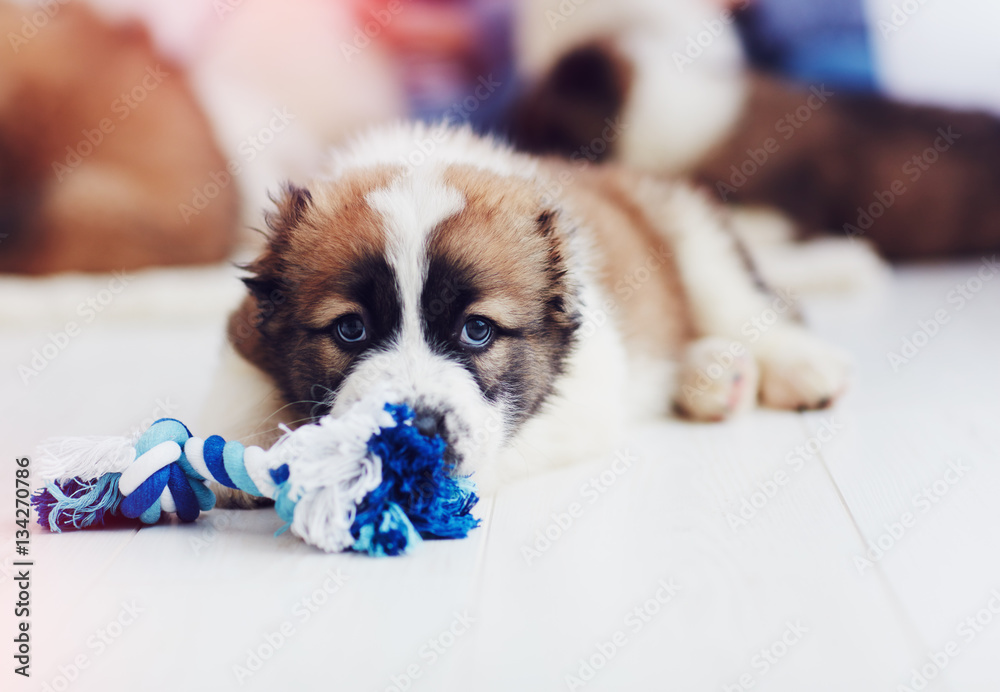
366	481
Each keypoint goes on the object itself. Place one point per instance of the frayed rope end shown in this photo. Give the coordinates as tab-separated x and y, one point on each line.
417	498
77	504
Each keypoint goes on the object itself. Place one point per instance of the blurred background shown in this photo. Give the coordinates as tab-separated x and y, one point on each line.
108	162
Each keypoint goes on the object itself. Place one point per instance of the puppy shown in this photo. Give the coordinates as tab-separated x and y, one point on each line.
525	308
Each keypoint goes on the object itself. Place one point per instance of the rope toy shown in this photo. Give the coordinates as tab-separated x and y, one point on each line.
366	481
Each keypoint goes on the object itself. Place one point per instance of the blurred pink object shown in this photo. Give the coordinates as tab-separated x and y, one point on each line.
249	60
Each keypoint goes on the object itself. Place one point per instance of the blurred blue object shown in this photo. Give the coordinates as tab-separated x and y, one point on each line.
811	41
476	87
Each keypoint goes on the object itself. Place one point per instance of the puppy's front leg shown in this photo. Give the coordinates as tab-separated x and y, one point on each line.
242	404
797	369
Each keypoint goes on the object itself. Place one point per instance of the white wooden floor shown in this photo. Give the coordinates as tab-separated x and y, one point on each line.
654	585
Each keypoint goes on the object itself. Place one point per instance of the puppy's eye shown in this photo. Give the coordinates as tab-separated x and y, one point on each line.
350	330
476	333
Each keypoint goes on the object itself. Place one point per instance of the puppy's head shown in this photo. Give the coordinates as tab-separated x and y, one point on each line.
449	283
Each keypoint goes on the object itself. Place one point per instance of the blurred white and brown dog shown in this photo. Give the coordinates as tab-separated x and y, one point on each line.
673	73
526	308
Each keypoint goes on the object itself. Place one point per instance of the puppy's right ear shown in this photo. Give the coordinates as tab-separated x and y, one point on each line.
293	202
262	288
253	322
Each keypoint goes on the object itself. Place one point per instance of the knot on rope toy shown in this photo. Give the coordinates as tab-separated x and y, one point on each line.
367	481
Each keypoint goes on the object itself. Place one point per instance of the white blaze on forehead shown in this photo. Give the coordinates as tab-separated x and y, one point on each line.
411	207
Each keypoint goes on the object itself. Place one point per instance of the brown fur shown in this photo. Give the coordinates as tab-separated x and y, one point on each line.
120	207
851	148
502	258
855	146
636	265
320	245
501	213
476	321
567	109
509	260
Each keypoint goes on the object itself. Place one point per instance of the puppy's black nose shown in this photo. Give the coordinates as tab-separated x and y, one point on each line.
428	423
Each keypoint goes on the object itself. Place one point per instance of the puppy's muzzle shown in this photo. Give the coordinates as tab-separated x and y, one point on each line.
428	422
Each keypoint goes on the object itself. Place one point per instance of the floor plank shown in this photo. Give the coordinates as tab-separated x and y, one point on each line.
917	466
739	585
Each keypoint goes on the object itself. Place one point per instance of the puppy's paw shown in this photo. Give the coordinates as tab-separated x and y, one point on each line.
799	371
717	378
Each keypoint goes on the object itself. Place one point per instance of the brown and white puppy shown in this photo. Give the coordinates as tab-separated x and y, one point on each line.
525	308
917	181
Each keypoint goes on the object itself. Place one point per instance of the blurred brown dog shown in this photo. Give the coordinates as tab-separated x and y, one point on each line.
102	144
